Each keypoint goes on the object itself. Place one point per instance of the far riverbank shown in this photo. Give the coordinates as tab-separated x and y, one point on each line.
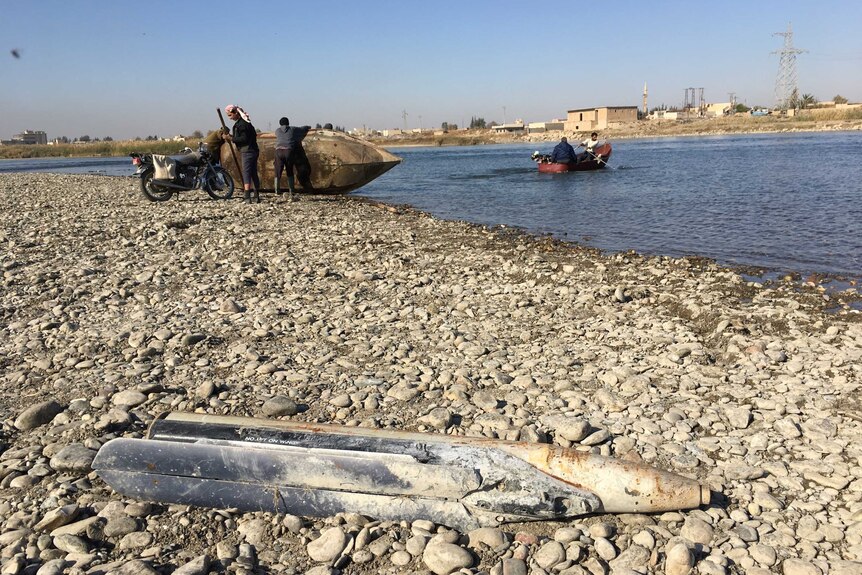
837	121
634	130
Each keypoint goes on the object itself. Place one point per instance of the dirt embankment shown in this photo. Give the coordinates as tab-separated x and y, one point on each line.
640	129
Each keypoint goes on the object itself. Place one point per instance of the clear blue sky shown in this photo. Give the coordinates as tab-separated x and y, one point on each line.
125	69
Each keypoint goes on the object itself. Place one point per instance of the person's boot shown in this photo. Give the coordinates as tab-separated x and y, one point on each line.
256	196
307	186
247	198
277	187
290	187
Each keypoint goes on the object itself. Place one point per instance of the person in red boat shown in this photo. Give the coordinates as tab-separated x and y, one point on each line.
564	153
589	145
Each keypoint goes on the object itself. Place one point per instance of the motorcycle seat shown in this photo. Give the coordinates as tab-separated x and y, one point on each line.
188	159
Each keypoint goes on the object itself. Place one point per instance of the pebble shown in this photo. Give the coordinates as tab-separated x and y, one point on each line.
438	418
550	554
75	458
488	536
763	554
58	517
135	540
329	546
119	526
116	309
512	566
279	406
800	567
697	530
401	558
129	398
71	544
416	545
679	561
198	566
632	557
134	567
604	548
37	415
52	567
444	558
254	532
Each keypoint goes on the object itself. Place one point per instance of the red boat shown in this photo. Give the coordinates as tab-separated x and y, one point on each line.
600	158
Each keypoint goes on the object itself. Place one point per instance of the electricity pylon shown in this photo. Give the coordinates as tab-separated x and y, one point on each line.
786	91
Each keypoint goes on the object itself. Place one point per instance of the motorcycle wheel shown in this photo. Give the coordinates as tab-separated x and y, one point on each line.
154	192
219	184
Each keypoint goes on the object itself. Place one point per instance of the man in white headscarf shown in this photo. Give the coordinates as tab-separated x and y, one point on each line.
244	137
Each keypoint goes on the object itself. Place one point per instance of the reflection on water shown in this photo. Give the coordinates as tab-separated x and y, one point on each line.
786	202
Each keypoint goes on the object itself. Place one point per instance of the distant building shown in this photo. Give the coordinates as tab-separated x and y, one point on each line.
552	126
27	137
718	110
663	115
589	119
516	126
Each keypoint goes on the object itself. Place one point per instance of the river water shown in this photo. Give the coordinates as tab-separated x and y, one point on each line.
784	202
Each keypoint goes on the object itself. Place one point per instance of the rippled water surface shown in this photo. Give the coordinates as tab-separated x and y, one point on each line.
785	202
121	166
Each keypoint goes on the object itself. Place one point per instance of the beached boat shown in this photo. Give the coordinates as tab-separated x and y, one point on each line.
602	155
339	163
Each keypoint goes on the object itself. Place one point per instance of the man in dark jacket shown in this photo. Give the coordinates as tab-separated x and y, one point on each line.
245	138
564	153
290	154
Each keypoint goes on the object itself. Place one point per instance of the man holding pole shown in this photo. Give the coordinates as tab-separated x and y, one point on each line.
244	137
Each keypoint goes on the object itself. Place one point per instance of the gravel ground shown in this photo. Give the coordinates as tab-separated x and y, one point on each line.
114	309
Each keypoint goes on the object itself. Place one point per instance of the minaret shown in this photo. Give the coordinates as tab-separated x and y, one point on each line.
645	95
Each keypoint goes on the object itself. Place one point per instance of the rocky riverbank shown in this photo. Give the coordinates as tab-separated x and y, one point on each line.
114	309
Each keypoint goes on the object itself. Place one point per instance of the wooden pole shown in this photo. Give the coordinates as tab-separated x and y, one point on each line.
232	151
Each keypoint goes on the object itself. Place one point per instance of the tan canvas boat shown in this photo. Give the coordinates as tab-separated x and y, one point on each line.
339	163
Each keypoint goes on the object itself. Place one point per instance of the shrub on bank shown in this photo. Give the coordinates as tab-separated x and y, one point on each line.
90	149
830	115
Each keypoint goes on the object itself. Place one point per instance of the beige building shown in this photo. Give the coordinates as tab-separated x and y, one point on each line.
516	126
663	115
718	110
588	119
539	127
28	137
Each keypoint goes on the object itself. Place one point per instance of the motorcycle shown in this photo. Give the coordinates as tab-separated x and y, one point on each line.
163	176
